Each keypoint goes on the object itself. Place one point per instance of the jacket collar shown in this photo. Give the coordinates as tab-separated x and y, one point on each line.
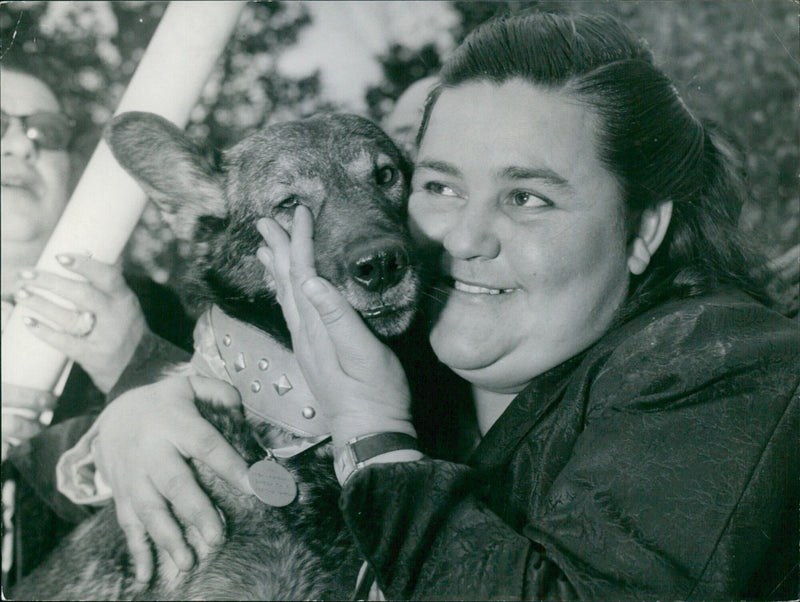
548	389
522	415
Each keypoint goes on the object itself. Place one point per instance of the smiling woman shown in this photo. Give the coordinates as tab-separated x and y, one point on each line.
637	405
636	402
532	227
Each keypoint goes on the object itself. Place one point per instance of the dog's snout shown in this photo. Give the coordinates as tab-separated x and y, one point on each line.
379	268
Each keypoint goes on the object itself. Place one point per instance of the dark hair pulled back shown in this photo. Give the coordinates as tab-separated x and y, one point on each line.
648	139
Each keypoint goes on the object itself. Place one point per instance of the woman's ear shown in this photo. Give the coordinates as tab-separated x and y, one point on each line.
652	229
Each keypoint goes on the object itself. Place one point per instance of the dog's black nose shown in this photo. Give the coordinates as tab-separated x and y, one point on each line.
380	269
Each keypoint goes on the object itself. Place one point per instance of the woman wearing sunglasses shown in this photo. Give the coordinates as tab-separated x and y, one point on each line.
101	335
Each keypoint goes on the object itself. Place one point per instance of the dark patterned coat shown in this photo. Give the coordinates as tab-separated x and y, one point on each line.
661	462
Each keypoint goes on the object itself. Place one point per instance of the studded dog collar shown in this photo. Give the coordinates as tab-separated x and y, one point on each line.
265	373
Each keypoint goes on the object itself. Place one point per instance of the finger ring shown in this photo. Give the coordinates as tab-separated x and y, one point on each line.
84	324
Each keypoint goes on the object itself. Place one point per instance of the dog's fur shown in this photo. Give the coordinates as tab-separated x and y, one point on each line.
355	182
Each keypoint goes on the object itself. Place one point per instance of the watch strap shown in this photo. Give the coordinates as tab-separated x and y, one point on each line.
369	446
358	452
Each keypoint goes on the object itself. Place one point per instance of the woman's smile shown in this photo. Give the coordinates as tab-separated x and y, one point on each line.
529	228
478	289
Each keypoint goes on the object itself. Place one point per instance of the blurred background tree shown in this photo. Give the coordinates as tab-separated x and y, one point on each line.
734	61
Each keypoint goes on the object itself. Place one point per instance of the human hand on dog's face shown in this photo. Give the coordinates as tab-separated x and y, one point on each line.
357	379
108	312
144	439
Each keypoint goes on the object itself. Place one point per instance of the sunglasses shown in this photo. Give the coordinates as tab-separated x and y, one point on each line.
52	131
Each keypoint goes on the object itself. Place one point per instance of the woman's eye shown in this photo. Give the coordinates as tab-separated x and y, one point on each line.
439	188
289	202
523	198
386	176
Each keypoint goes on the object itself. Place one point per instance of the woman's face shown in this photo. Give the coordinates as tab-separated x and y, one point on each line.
34	180
509	187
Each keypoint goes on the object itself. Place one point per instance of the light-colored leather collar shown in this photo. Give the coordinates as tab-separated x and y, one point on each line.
265	373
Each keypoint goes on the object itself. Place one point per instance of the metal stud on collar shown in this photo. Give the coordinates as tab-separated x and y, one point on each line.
282	385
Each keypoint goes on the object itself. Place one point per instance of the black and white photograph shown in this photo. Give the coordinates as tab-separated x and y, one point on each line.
400	300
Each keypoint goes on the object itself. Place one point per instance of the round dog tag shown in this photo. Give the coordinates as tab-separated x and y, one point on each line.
272	483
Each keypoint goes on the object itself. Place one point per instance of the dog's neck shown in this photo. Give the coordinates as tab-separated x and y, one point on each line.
265	373
262	310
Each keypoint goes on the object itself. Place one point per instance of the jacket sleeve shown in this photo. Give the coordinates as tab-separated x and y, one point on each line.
680	481
428	537
152	357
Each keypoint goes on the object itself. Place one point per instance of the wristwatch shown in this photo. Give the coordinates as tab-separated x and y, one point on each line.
365	449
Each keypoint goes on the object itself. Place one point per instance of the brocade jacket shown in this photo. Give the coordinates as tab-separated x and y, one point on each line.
662	462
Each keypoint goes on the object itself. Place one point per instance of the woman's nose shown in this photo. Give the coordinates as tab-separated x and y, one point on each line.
16	143
472	234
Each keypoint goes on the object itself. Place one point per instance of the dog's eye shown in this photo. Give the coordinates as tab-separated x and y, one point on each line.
386	175
290	202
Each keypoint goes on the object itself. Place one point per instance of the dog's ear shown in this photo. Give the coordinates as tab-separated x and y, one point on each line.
174	171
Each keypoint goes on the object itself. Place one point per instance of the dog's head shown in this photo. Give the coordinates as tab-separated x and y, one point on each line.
342	167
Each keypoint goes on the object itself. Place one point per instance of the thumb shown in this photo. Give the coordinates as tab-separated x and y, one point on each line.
216	392
351	338
330	305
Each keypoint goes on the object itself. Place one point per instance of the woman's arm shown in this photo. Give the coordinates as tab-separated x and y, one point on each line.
428	537
676	478
151	358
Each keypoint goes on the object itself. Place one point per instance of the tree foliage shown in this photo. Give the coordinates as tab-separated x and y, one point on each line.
734	61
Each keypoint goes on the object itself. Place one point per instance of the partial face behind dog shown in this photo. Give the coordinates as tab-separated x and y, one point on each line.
342	167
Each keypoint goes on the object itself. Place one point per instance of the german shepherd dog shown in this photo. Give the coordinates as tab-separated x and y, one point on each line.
355	181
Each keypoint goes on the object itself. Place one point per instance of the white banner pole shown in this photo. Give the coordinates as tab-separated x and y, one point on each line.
107	203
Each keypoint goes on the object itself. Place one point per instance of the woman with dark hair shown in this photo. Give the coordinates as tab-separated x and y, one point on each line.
636	403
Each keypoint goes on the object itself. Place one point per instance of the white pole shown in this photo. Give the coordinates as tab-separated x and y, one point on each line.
107	203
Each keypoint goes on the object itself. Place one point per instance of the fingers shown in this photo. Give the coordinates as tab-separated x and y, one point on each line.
280	258
81	294
65	342
301	248
277	259
207	445
291	261
65	319
35	400
189	503
329	304
102	328
292	265
350	337
138	543
144	440
150	515
215	391
107	278
302	270
210	448
23	410
17	428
